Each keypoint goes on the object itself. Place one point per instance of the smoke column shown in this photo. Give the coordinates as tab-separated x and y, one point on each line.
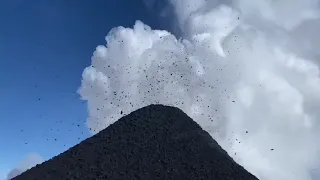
31	160
246	71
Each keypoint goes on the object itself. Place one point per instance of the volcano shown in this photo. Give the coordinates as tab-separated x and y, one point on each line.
154	142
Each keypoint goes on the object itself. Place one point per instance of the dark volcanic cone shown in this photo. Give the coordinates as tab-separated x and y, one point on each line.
154	142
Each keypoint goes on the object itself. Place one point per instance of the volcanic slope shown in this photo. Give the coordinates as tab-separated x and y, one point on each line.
154	142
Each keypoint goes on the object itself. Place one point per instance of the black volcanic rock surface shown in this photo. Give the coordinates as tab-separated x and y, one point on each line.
154	142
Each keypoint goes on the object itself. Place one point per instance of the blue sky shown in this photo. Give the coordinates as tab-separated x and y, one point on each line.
44	47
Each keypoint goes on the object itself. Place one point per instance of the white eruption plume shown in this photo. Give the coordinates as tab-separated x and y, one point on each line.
246	71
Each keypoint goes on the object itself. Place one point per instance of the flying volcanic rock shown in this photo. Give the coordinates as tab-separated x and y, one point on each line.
154	142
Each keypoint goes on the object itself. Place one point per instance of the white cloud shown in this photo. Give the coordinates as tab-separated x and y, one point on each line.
244	72
28	162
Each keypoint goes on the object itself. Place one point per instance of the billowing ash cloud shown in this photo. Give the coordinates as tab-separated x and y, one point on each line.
28	162
246	71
